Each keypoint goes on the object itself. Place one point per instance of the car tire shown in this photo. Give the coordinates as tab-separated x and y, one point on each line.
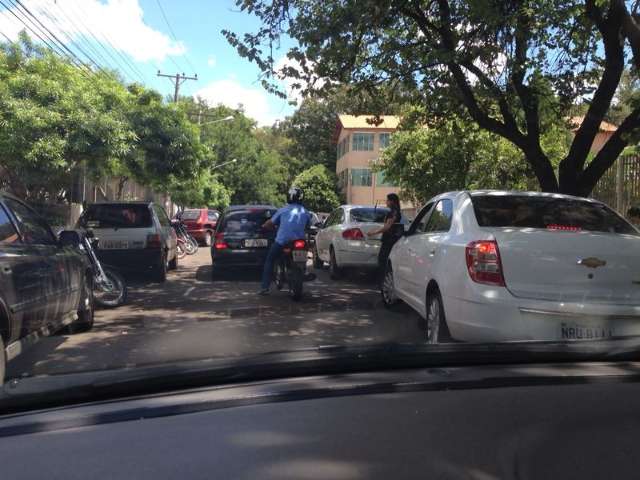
436	322
208	236
173	264
161	269
317	261
335	272
86	309
387	289
3	361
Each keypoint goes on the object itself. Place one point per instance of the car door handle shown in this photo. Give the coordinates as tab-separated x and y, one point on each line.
6	270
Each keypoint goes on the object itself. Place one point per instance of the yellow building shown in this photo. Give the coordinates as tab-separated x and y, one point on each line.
359	141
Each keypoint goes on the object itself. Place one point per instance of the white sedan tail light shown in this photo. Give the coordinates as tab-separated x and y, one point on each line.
484	264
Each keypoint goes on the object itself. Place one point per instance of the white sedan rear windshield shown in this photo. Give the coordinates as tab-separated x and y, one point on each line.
368	215
551	213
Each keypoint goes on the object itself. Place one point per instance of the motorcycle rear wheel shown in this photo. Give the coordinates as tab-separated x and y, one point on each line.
113	295
296	281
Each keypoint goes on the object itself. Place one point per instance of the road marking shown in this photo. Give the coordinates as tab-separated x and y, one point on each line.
188	292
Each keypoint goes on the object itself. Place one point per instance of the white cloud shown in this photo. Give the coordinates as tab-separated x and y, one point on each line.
232	94
120	21
212	61
295	93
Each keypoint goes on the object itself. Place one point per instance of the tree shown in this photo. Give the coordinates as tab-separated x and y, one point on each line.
54	118
318	185
508	65
456	154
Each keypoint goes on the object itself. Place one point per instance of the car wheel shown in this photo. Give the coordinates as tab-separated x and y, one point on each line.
387	288
161	268
85	311
437	330
317	261
173	264
207	238
3	361
335	272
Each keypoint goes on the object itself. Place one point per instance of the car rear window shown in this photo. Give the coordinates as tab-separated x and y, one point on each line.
547	212
190	215
245	221
368	215
116	216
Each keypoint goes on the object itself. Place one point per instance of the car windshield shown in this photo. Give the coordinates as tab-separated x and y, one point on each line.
116	216
368	215
549	213
244	221
216	184
190	215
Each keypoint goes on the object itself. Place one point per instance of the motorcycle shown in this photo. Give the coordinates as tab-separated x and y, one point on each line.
291	268
109	287
185	241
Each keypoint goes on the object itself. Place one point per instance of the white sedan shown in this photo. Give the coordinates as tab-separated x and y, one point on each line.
488	266
342	241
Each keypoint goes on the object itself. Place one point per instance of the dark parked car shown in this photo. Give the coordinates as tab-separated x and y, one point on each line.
240	240
45	283
201	223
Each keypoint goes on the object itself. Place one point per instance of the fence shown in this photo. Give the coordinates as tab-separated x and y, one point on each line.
619	187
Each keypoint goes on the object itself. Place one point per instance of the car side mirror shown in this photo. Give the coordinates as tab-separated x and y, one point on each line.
69	238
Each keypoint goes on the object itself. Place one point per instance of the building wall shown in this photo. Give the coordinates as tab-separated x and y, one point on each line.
599	141
364	195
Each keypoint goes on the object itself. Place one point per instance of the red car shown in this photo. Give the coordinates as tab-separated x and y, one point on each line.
201	223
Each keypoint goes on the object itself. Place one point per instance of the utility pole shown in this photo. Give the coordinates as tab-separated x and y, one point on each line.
177	80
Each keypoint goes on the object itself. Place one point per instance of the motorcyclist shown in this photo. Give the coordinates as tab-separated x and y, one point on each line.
292	221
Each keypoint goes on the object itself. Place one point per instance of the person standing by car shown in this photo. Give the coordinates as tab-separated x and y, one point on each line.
292	221
391	231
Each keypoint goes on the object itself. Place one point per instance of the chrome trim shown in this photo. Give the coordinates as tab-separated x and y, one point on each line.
536	311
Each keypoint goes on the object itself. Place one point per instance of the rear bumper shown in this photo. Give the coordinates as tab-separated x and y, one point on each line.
238	258
494	315
130	259
198	233
358	254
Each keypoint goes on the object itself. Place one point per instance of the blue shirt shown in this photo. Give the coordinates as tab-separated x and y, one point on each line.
292	221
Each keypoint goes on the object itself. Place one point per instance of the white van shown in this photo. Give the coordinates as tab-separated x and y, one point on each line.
133	236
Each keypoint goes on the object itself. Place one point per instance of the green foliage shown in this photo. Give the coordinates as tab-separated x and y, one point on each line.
456	154
318	185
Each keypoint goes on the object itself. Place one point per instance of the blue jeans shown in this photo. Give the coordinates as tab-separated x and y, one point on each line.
267	273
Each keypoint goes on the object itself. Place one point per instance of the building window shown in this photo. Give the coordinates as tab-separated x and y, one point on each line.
382	181
343	147
361	177
362	142
384	140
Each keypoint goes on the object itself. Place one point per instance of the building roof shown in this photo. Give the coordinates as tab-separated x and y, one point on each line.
575	123
368	121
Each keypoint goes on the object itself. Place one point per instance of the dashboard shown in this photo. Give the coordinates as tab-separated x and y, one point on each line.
486	422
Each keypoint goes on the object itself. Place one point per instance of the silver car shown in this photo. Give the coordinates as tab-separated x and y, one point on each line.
342	241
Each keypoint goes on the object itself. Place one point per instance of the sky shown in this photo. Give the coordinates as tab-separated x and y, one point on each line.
133	37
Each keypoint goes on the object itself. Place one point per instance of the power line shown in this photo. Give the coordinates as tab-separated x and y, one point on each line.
64	46
83	37
57	50
132	67
71	40
177	80
175	38
6	38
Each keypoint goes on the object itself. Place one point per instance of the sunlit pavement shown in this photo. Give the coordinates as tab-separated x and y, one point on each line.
192	317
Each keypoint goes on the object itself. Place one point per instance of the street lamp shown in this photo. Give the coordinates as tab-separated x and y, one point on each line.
225	163
225	119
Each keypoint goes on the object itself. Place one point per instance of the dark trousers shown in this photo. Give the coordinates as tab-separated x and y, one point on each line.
383	256
267	273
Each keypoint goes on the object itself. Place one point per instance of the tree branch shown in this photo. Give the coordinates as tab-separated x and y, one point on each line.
609	153
610	29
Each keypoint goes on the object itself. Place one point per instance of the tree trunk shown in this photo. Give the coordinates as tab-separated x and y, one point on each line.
121	184
542	168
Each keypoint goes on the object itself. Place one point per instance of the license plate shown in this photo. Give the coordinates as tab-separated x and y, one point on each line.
572	331
257	243
114	244
299	255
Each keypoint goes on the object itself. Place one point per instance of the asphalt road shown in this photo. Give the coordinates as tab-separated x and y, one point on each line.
192	316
